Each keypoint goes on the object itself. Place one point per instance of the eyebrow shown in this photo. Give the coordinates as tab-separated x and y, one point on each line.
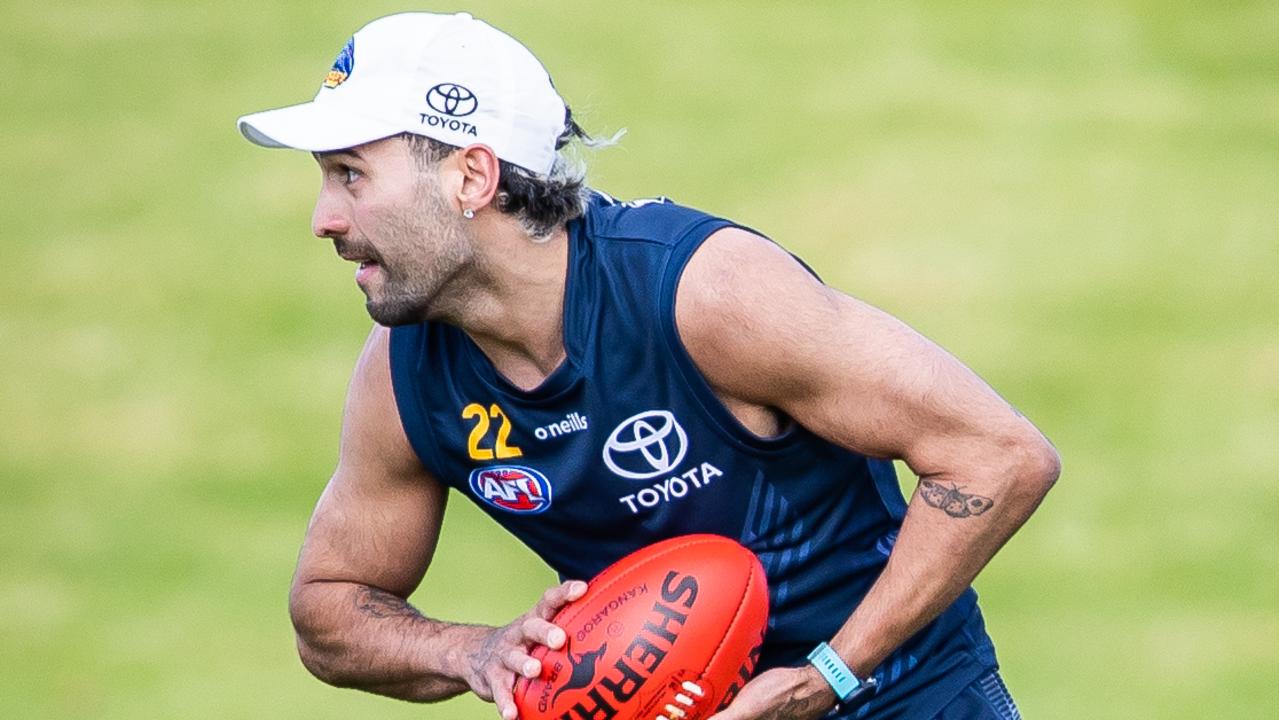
333	153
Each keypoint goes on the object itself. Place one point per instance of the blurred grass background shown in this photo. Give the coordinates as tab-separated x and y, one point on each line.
1080	200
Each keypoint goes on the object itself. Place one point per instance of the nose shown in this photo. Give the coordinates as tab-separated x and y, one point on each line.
330	218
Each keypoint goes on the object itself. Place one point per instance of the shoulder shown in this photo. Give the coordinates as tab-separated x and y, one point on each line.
373	433
746	310
372	369
369	398
735	274
657	220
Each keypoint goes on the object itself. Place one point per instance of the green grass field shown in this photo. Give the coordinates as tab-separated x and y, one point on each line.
1081	201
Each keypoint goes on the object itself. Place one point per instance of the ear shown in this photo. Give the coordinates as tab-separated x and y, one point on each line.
480	171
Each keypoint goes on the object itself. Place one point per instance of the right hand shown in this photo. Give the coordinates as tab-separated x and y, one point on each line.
501	654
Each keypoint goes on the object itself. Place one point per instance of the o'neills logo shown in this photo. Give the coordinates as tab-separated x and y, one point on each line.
642	657
572	422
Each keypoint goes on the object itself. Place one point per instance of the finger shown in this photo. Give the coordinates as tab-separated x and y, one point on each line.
501	682
543	632
481	689
556	597
521	663
575	590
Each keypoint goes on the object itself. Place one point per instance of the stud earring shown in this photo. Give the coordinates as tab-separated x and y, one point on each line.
468	213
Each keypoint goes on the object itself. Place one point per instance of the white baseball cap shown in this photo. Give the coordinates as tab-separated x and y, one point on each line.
449	77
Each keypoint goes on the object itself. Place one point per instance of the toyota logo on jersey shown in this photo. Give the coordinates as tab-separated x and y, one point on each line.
646	445
512	488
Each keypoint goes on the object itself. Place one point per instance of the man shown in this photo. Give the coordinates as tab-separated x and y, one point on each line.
598	376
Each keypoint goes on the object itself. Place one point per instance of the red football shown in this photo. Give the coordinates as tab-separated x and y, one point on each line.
692	609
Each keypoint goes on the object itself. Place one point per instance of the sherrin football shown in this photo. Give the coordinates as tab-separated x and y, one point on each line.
670	631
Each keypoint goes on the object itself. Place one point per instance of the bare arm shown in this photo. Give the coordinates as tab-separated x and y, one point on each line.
767	335
367	548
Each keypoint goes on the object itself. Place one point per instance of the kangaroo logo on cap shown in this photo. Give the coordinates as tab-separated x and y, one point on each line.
452	99
342	66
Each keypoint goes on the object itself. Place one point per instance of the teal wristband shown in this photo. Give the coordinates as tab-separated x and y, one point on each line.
841	678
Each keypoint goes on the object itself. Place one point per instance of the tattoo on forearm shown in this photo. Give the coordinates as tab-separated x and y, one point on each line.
378	603
950	500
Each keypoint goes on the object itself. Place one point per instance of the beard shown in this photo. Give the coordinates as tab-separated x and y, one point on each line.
420	249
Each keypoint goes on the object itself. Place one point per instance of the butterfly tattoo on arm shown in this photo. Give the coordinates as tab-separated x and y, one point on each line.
953	502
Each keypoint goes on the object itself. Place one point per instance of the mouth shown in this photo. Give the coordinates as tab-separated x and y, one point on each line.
365	270
366	266
355	257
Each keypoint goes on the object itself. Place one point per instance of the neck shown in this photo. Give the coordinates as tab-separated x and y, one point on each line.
514	308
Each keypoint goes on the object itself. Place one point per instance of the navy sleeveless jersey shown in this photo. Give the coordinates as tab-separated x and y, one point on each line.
625	444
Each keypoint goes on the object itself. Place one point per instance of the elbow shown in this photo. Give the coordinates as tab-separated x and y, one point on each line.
323	666
1036	466
309	638
324	663
1051	466
314	662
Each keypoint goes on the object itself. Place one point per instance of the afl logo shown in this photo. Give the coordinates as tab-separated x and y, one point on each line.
646	445
512	488
452	99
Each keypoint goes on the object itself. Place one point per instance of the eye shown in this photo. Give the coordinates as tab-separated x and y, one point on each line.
349	174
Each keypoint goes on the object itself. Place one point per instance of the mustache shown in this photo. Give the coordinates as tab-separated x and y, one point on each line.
352	249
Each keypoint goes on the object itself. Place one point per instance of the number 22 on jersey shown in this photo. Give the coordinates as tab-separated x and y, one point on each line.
479	433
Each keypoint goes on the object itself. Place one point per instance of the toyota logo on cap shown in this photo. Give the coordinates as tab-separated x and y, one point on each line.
452	99
646	445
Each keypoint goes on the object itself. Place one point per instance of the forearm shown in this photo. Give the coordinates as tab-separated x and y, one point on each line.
358	636
951	531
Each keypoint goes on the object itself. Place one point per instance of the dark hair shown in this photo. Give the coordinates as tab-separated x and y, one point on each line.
540	202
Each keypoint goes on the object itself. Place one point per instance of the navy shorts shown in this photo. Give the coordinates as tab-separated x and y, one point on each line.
986	699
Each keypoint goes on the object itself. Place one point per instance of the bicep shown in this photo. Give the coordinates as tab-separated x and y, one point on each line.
764	330
378	519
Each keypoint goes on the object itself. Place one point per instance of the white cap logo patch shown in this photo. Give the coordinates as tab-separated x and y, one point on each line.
342	66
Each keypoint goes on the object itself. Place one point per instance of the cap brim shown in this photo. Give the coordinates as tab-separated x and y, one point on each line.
314	127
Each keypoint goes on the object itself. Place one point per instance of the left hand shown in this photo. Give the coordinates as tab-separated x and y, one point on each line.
782	694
